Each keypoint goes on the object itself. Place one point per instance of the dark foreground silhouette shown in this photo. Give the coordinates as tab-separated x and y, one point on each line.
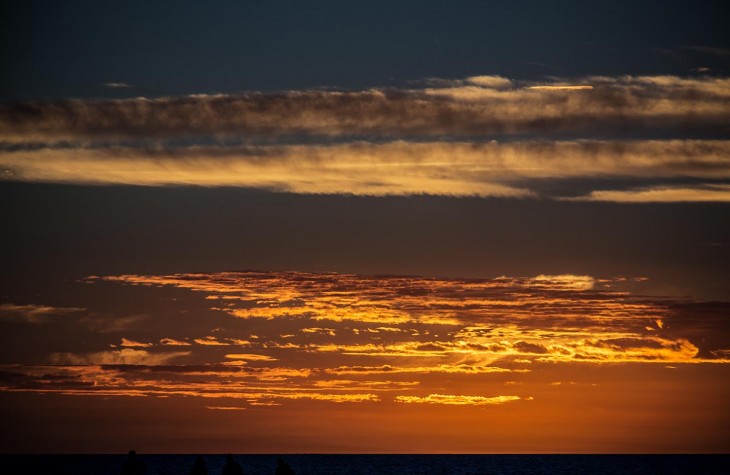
231	467
199	467
133	465
283	468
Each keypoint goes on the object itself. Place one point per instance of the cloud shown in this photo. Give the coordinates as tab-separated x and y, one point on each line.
662	194
34	314
631	348
380	169
461	334
213	341
565	281
134	344
249	357
209	341
493	82
525	347
711	50
123	356
432	140
136	381
437	368
117	85
457	400
325	331
562	87
483	327
643	102
112	323
173	342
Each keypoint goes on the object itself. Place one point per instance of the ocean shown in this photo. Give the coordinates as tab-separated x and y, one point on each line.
380	464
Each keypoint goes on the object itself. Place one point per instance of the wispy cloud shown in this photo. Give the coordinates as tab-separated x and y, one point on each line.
439	368
35	314
661	194
123	356
562	87
386	339
117	85
556	318
133	344
379	169
711	50
483	105
173	342
249	357
435	140
455	400
213	341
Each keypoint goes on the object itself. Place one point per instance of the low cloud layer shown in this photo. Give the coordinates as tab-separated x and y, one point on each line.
262	339
560	318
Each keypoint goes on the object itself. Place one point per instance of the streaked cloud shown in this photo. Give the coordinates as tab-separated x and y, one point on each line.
493	82
455	400
711	50
562	87
508	169
173	342
123	356
313	339
213	341
483	105
439	368
117	85
427	325
249	357
133	380
663	194
34	314
482	136
133	344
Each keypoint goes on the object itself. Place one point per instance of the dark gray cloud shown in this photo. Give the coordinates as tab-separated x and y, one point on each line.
711	50
480	107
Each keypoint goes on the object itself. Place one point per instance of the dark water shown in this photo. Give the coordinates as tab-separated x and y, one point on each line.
381	464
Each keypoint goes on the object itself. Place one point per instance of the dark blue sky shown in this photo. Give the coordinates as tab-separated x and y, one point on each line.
54	49
61	49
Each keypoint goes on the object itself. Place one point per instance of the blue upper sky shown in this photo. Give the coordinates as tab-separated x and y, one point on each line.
54	49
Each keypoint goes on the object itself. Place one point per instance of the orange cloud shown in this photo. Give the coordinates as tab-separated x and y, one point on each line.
661	194
123	356
134	344
249	357
456	400
173	342
394	168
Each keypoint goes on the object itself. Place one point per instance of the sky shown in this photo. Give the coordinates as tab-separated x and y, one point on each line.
382	227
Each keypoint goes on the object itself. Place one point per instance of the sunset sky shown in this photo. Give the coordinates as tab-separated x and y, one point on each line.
346	227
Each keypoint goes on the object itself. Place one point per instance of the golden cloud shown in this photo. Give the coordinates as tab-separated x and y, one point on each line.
395	168
455	400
